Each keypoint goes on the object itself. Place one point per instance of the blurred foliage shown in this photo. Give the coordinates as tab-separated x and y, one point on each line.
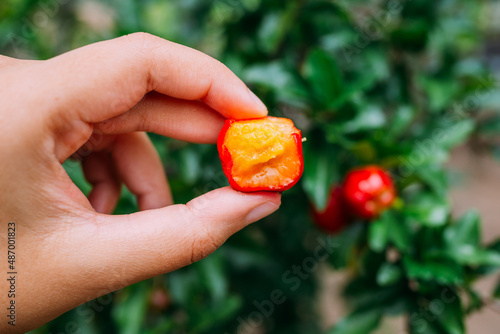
395	83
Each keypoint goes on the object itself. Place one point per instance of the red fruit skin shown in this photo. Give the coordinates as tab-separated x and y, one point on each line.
227	162
368	191
335	216
224	155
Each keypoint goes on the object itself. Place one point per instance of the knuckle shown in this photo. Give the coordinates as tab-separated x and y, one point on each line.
143	44
143	121
144	47
140	40
108	126
204	240
203	245
218	67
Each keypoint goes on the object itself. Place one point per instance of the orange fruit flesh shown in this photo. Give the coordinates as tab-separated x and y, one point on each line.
264	152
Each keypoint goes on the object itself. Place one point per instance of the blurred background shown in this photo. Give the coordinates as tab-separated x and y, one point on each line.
409	85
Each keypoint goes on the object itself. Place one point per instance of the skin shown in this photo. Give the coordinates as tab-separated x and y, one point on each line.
94	104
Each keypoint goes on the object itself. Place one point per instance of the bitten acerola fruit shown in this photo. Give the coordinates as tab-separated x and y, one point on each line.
262	154
335	216
368	191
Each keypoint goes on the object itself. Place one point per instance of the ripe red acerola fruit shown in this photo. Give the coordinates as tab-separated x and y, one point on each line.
335	216
368	191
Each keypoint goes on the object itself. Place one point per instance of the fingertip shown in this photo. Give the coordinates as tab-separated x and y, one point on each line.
252	107
232	202
261	211
241	104
270	196
271	201
274	197
260	107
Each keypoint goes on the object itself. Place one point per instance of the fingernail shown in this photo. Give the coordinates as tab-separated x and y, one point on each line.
257	101
261	211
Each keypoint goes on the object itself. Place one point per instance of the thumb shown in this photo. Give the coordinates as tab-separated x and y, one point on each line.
135	247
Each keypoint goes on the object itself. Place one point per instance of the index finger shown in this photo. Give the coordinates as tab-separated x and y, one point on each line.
106	79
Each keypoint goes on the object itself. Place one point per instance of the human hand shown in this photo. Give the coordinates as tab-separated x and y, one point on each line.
69	250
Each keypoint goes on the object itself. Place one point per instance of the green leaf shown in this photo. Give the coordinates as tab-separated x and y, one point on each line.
439	92
214	276
399	231
181	284
435	177
377	64
346	245
352	89
378	235
494	246
190	165
362	293
129	314
166	325
216	314
419	323
388	274
474	299
127	203
451	318
269	31
244	257
444	272
496	292
369	118
275	26
320	172
272	75
358	322
464	234
428	210
75	172
324	76
477	257
490	126
452	135
411	35
129	15
400	120
462	241
424	152
388	228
